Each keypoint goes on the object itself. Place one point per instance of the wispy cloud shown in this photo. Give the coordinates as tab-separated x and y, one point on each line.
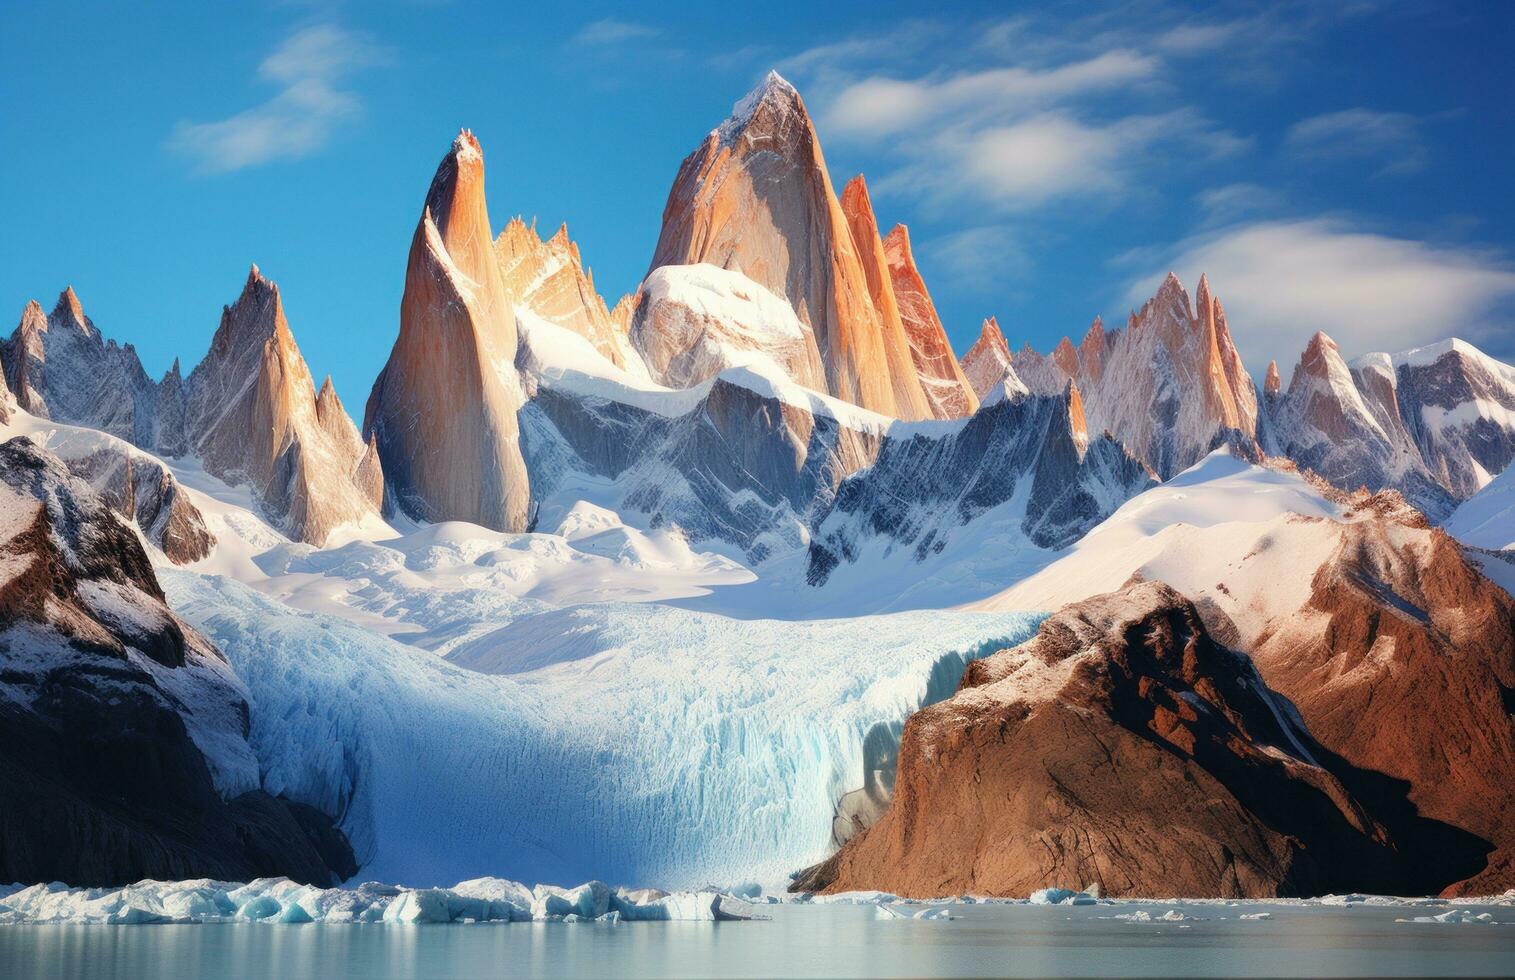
1053	155
879	107
1283	280
309	70
610	30
1230	203
1392	138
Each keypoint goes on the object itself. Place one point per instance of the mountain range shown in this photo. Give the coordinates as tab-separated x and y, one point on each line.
1253	600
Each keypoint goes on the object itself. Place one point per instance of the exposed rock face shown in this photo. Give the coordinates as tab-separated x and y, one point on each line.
1170	386
694	321
1435	423
1344	424
947	388
252	414
125	732
1398	652
60	367
141	489
755	197
737	465
443	411
910	397
987	364
1122	747
923	488
1402	663
548	277
1459	404
249	410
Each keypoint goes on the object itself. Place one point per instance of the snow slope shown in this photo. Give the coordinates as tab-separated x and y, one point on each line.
1487	519
1201	528
637	743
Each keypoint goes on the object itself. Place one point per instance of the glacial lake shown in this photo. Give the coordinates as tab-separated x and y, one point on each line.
801	940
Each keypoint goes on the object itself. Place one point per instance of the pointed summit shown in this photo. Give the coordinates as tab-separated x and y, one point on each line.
773	95
251	413
949	391
909	397
548	278
1271	380
987	362
755	196
69	310
449	390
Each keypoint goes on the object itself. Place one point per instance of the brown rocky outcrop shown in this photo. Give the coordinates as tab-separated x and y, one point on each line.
947	388
1402	663
1121	747
443	411
112	704
548	277
252	413
755	197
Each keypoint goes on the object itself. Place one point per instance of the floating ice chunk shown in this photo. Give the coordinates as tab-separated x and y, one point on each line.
1255	916
1061	896
283	901
1454	916
686	907
261	907
589	900
1142	915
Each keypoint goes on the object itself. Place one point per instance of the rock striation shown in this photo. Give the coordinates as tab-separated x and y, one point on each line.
249	411
442	413
125	731
1170	385
548	277
1028	776
252	414
987	364
947	388
755	197
1344	424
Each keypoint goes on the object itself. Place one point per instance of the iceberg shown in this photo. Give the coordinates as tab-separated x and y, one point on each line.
281	901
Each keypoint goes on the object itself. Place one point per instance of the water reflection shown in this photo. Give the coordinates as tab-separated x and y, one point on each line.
800	941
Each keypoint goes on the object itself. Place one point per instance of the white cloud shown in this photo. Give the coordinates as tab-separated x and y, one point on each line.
610	30
1390	138
1051	156
878	107
309	68
1281	281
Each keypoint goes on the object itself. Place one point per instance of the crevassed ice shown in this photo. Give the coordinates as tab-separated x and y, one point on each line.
636	743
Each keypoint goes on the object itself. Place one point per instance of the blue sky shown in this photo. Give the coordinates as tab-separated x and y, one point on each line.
1341	166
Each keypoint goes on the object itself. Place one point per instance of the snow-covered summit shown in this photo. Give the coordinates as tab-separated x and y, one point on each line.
773	91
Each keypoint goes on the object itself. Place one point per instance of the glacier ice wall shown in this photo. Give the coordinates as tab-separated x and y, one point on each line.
634	743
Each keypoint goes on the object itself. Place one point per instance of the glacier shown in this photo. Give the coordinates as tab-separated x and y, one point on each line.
638	743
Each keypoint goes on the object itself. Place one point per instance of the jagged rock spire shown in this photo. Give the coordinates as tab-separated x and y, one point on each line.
756	196
449	391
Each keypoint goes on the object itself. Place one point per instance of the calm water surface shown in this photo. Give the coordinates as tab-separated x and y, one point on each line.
800	941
